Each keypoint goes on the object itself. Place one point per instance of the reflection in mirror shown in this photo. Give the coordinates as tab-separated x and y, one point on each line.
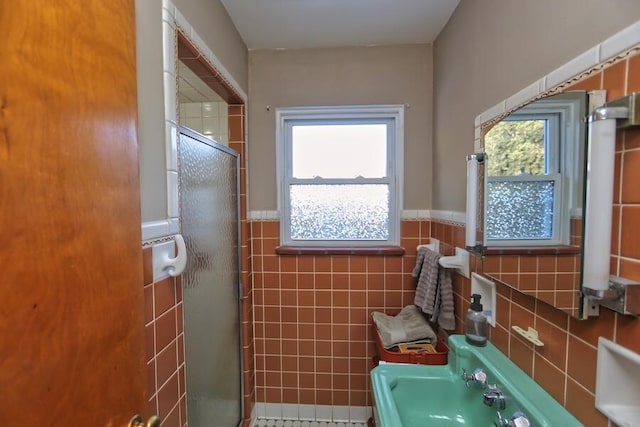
533	198
200	108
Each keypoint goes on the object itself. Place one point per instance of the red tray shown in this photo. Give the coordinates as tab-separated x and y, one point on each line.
437	358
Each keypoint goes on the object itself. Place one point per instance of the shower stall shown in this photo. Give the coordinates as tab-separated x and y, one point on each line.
209	209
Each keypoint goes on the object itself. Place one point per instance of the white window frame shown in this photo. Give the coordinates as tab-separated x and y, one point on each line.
288	116
563	130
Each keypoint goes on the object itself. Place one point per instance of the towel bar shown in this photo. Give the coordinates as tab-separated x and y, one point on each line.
434	245
460	261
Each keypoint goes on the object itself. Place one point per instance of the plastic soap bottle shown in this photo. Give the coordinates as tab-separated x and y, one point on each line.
475	326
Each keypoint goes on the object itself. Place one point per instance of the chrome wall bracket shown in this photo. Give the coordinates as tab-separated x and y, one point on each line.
632	104
478	249
623	296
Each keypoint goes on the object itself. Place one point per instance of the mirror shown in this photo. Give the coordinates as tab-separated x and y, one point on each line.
533	194
200	108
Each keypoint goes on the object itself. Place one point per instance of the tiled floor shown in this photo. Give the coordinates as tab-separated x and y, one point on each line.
290	423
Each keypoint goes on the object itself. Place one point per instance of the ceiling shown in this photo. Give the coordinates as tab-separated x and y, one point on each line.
299	24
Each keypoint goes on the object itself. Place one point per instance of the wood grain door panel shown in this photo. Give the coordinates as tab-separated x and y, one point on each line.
71	318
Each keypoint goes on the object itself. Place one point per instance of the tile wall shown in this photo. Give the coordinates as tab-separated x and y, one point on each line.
553	279
208	118
236	126
164	346
313	317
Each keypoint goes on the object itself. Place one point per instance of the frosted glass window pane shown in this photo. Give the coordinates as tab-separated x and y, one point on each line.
339	151
340	212
521	210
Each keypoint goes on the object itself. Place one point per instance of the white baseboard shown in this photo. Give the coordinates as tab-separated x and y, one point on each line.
326	413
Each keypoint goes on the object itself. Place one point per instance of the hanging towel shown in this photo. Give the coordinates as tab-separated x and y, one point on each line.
426	270
434	291
445	316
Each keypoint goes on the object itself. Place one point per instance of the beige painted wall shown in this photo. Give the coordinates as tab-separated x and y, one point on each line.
489	50
211	21
340	76
214	26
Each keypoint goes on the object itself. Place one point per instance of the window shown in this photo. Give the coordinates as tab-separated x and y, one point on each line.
530	182
339	171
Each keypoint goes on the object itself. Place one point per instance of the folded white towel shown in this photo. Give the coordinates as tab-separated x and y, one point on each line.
409	325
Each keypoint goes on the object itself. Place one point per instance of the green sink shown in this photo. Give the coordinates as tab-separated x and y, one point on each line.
436	396
441	402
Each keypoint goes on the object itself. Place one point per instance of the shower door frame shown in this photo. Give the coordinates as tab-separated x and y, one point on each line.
184	130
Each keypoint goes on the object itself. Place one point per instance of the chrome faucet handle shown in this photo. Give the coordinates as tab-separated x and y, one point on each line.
493	395
502	422
518	419
478	376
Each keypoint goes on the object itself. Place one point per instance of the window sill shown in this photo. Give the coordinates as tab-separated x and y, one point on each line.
337	250
533	250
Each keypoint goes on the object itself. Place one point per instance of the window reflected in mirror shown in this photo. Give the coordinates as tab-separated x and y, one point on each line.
532	182
533	195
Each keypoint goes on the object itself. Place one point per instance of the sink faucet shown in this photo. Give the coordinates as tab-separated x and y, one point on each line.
478	376
518	419
493	395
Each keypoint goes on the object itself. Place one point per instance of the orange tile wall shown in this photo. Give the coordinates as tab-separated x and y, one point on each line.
237	143
164	346
566	365
313	317
554	279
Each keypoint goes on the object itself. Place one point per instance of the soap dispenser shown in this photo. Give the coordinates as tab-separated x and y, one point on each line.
475	326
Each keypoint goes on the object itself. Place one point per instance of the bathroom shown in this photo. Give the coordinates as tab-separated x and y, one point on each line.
301	356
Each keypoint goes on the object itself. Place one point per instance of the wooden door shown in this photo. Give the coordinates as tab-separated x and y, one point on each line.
71	321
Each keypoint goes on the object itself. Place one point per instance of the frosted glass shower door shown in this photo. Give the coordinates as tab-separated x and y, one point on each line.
209	212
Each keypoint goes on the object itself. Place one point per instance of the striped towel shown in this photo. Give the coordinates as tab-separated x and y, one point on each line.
426	270
434	290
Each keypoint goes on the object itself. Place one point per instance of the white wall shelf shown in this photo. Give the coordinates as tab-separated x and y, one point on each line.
618	383
487	290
